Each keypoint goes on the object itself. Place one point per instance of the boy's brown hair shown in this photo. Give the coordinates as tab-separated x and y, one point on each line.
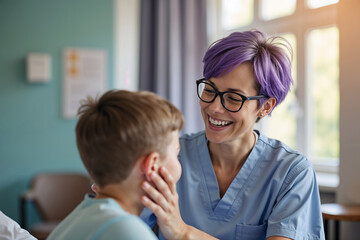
114	131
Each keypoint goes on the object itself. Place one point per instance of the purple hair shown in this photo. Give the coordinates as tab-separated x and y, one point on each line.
271	64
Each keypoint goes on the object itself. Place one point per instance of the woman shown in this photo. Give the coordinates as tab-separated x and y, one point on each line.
236	182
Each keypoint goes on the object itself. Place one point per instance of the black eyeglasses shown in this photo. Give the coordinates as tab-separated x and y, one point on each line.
231	101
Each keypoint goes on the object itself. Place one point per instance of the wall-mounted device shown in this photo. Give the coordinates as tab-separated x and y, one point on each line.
38	67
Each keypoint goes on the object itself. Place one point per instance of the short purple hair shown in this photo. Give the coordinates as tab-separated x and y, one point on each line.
271	64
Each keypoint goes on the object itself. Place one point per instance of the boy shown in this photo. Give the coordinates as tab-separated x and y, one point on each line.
122	138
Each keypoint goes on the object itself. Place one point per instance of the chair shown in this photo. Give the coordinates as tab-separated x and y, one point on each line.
339	212
55	195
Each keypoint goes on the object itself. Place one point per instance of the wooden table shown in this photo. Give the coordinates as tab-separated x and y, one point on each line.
339	212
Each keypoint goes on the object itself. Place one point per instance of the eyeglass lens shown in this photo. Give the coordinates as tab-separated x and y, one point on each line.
231	101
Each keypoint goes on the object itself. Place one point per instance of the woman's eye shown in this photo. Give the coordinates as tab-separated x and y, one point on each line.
234	98
209	91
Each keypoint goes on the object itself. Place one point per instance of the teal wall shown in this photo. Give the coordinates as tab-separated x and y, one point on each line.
33	135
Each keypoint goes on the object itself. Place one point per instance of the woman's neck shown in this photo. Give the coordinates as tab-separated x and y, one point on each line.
232	155
228	158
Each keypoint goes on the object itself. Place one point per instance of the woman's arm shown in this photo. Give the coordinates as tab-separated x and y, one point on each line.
164	203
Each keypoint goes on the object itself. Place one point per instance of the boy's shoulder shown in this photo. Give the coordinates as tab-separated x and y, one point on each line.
100	219
125	227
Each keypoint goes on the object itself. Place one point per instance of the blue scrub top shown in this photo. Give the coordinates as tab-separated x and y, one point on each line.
274	194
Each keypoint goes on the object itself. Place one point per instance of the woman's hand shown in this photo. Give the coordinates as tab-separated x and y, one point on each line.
164	203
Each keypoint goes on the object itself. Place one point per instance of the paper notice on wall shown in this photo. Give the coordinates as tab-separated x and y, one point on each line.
85	74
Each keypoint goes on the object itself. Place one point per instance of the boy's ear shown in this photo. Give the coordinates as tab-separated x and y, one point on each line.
150	164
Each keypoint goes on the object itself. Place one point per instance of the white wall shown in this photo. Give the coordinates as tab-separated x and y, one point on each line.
349	170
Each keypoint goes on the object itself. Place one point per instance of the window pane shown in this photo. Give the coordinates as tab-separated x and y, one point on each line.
236	13
323	59
281	124
320	3
270	9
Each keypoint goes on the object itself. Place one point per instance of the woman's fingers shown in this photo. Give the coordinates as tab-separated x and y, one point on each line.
156	209
163	200
155	195
162	186
168	179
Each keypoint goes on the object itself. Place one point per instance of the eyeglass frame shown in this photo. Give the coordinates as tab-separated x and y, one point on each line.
221	94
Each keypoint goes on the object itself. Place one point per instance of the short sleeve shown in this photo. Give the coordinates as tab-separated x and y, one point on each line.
130	228
297	211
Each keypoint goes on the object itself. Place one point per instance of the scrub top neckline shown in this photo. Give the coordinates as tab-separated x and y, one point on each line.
220	207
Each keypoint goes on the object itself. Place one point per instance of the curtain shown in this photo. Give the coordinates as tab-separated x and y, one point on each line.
172	44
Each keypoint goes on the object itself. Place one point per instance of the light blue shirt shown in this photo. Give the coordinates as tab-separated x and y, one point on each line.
101	219
274	194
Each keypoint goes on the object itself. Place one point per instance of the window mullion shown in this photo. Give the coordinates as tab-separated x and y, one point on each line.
302	124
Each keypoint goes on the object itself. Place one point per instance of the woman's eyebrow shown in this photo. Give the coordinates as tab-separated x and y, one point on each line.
229	89
235	90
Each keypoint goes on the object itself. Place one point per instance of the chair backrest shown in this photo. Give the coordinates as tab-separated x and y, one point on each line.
57	194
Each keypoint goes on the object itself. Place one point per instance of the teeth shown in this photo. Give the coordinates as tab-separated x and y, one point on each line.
218	123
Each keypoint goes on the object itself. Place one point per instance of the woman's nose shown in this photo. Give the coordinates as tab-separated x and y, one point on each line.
216	106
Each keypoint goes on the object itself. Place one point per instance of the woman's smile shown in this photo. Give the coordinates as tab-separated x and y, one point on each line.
218	123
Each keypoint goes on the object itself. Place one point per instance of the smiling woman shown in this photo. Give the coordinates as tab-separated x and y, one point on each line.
304	120
236	182
241	117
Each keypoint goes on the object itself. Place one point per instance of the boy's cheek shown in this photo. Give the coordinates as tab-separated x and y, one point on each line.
176	173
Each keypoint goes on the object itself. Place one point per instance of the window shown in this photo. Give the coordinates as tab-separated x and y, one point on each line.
323	75
127	23
282	123
270	9
236	13
320	3
308	119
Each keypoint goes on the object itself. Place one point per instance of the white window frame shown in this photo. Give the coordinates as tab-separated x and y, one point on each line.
127	42
300	23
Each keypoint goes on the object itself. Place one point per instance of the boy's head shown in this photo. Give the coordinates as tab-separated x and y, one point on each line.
120	127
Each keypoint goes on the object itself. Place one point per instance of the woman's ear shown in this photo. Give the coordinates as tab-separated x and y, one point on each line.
267	107
150	164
